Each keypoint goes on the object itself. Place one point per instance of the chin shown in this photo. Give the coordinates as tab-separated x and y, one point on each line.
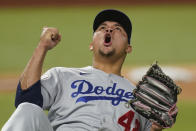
107	53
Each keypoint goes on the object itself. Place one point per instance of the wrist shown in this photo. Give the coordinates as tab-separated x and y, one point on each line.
42	47
156	127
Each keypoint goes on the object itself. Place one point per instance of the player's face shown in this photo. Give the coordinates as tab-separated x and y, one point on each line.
110	39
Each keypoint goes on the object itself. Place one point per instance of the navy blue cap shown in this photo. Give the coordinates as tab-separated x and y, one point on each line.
114	15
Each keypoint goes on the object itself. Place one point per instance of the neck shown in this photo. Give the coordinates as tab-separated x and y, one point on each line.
110	67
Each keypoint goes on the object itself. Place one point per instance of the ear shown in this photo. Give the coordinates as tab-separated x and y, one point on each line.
91	46
129	49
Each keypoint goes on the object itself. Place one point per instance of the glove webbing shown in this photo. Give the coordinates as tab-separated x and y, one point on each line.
156	72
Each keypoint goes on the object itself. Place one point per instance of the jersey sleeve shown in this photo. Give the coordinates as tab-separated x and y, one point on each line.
49	87
147	124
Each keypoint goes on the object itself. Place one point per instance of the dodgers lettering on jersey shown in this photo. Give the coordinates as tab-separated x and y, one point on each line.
90	99
112	93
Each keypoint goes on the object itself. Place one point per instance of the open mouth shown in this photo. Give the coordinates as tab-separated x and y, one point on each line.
107	42
107	38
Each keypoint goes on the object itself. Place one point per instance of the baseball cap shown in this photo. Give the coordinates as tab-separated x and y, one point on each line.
114	15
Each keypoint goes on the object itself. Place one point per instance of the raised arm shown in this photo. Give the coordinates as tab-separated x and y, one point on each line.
49	38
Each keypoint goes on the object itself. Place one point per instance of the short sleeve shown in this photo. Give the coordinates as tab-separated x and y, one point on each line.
49	87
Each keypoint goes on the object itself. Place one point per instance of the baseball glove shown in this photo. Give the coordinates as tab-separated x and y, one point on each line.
156	97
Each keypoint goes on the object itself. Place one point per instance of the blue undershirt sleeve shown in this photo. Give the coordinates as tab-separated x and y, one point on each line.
31	95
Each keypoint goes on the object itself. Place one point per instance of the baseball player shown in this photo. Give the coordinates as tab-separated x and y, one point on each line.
91	98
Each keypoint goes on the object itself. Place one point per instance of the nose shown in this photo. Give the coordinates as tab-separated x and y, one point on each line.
109	30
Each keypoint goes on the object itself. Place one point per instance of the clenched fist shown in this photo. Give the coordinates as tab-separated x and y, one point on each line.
49	38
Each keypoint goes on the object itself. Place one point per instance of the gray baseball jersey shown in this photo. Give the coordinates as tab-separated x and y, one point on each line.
89	99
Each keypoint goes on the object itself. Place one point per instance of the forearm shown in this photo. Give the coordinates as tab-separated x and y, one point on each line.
33	70
50	37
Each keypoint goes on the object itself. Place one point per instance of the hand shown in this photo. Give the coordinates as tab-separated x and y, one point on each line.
156	127
49	38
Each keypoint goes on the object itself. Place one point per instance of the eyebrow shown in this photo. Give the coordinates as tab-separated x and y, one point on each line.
114	24
103	24
118	25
